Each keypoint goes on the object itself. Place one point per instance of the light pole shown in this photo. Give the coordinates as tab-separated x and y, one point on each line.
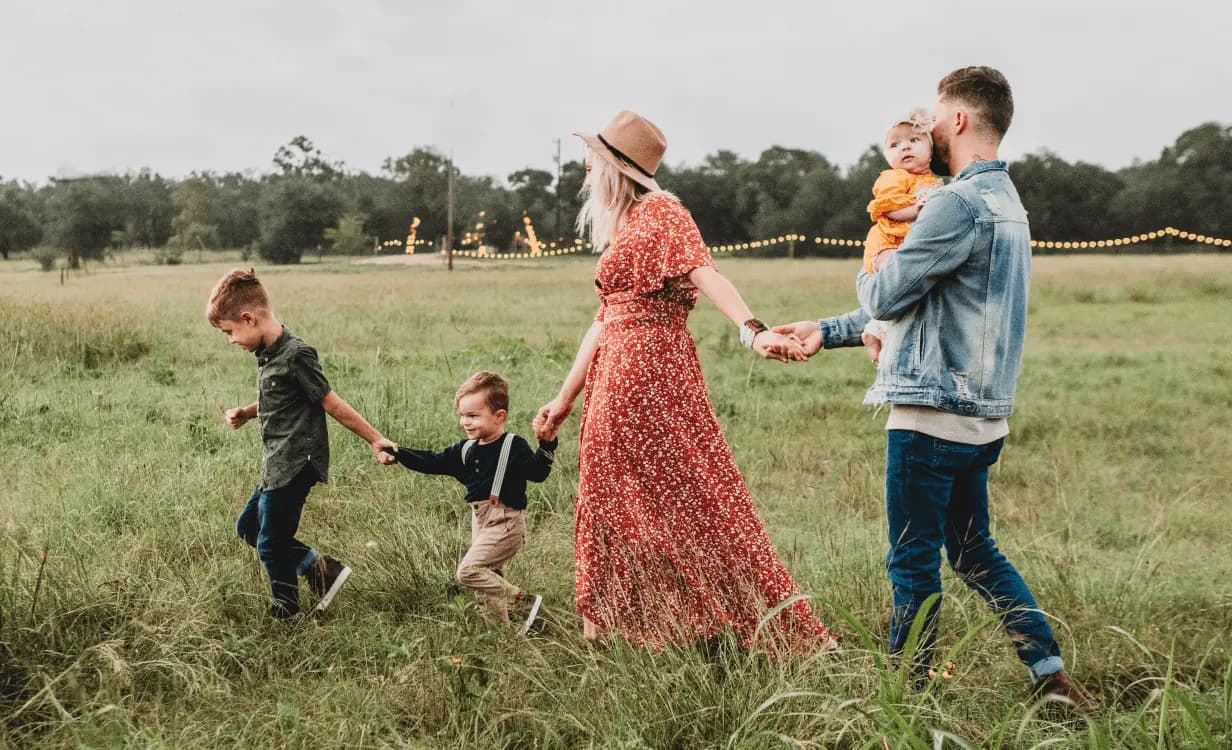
557	227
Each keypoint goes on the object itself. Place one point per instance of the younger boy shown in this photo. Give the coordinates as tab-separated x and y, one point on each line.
293	398
494	466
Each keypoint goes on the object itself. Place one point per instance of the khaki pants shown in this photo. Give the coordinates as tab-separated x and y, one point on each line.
497	533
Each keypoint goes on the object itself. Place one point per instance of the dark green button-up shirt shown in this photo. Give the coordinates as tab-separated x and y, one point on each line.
290	389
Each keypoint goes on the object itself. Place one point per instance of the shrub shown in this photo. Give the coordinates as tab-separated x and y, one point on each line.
46	256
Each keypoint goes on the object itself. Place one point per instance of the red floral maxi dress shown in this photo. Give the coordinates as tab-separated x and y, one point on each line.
669	547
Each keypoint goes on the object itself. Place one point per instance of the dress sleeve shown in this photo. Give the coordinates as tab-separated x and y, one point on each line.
670	245
891	192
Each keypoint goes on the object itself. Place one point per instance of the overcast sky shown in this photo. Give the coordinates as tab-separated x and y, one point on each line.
115	86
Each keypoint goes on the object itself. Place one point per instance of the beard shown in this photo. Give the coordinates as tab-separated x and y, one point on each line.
939	162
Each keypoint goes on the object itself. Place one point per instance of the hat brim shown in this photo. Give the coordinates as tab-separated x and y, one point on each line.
628	170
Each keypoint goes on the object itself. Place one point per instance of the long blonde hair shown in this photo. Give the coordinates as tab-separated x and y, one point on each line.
609	194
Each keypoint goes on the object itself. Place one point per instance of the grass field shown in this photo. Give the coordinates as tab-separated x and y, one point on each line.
149	629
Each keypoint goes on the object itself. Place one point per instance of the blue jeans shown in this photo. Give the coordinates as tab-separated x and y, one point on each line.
937	495
268	522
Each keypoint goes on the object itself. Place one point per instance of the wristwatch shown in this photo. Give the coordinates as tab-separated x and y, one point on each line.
749	331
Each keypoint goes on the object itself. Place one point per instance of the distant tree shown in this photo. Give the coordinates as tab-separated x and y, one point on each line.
1066	201
1188	187
148	210
347	237
719	195
300	158
83	213
419	188
572	175
196	224
19	225
532	193
779	175
295	211
238	212
849	217
483	194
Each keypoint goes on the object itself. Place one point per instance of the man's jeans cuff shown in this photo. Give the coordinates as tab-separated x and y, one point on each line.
829	337
306	564
1047	666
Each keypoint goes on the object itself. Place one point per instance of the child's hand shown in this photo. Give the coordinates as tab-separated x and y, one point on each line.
385	451
879	260
872	346
542	430
237	417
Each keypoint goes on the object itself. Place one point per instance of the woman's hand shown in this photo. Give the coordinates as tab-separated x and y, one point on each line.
550	417
784	348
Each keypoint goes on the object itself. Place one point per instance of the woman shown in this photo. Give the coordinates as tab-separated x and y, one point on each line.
668	545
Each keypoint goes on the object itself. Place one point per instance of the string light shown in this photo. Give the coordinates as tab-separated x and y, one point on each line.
537	250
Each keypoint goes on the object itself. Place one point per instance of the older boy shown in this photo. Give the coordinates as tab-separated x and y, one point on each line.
293	398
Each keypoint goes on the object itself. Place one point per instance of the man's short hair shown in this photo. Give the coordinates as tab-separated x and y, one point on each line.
237	292
985	90
493	386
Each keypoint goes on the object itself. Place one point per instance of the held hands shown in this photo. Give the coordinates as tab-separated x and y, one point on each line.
805	334
775	345
547	422
384	450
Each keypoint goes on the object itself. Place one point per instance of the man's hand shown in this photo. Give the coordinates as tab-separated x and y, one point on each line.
237	417
872	346
807	332
383	456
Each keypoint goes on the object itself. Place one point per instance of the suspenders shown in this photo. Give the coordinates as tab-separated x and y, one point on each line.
502	464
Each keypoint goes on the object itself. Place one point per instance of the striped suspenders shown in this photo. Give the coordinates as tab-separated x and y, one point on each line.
502	465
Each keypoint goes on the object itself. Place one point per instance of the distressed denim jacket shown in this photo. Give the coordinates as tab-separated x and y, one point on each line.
956	293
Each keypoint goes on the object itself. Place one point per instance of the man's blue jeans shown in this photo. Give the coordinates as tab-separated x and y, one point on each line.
269	522
937	495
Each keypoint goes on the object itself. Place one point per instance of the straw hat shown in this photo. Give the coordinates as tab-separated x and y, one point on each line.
633	144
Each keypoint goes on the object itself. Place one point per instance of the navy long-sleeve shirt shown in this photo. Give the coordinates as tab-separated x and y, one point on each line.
480	470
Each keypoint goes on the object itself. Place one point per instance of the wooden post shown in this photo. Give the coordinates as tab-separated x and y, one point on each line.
449	218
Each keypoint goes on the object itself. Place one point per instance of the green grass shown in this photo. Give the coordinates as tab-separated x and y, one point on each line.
150	631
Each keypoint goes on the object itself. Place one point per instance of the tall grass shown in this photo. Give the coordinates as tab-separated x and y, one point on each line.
149	628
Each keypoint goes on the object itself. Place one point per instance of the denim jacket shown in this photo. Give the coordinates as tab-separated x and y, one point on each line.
956	292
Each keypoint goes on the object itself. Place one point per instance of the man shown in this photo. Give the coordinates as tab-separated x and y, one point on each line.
956	292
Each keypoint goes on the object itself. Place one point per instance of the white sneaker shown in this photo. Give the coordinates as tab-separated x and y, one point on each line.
331	578
532	612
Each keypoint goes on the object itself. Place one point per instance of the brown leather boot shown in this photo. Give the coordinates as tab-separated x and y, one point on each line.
1059	685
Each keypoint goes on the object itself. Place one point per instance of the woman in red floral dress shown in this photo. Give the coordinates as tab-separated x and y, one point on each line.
669	548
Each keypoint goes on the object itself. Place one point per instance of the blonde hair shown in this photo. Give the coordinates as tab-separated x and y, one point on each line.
609	194
493	386
237	292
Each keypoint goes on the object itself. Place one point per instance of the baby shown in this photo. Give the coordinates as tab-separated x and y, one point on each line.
898	195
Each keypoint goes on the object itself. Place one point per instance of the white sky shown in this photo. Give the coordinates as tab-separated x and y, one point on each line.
94	86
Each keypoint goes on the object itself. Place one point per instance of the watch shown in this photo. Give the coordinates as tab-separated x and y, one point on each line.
749	331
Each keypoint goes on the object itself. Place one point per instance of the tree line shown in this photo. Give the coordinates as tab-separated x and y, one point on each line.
308	204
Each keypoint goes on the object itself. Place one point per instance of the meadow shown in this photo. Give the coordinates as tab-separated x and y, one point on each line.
146	625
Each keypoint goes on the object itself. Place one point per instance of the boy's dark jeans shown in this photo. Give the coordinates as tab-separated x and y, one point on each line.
269	522
937	495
